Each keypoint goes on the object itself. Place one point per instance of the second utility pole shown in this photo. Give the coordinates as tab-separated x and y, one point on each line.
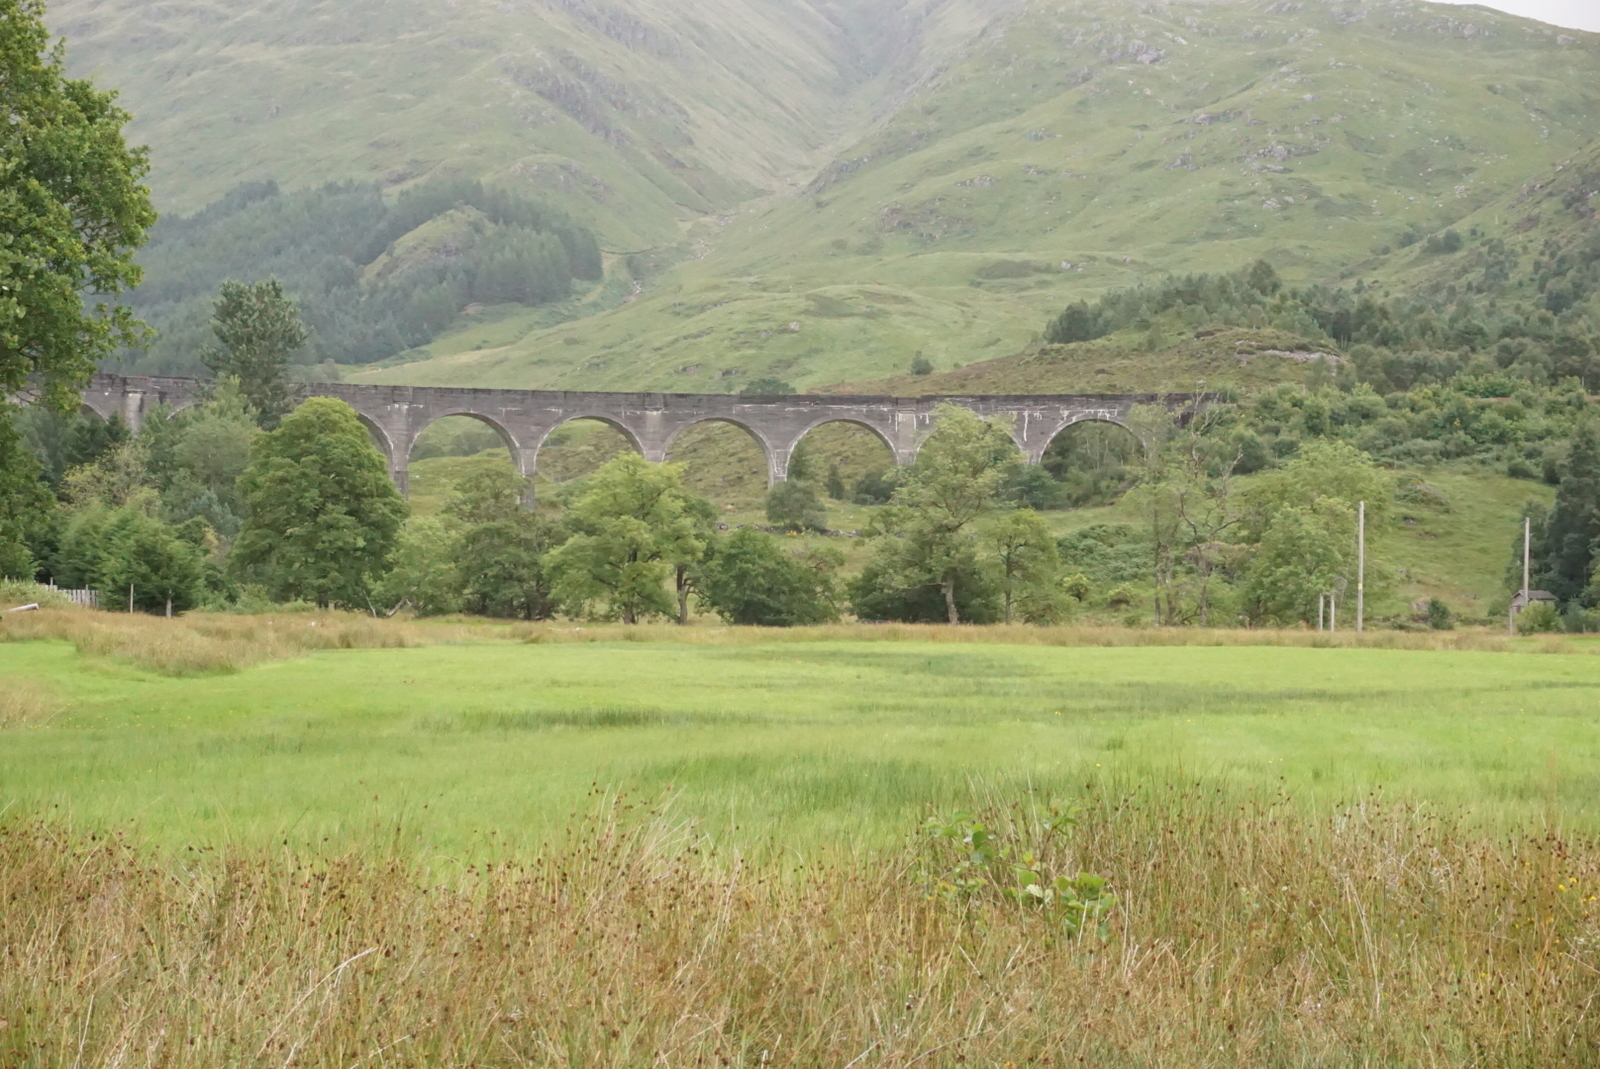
1361	573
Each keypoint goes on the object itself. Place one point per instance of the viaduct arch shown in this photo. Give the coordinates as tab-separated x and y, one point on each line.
651	421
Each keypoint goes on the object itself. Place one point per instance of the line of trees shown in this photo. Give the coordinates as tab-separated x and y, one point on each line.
209	509
1484	326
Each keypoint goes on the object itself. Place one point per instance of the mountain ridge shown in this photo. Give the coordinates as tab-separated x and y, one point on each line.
940	190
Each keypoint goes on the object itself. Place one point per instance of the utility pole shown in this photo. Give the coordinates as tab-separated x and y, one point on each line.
1361	573
1527	555
1527	562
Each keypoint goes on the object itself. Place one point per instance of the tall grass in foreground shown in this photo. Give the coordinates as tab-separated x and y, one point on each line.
1247	934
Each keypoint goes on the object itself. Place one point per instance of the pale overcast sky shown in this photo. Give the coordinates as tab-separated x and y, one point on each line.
1578	14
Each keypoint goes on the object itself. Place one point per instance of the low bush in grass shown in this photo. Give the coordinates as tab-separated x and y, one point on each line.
1538	619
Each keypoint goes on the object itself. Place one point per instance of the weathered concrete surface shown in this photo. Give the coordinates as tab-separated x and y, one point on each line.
652	421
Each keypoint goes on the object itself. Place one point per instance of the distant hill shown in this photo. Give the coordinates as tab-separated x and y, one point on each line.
820	191
634	115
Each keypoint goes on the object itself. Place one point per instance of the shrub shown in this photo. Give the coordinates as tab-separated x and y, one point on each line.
752	579
1076	586
795	506
1121	597
1438	615
875	596
1540	618
875	488
767	386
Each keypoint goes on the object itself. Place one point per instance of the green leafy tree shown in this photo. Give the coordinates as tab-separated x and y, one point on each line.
1305	551
112	548
795	506
1192	518
1030	486
928	533
632	527
1566	563
882	592
258	329
500	547
1321	469
119	477
1078	322
686	561
1302	519
424	573
24	503
835	484
1540	618
143	555
752	579
1263	279
1027	565
322	516
72	213
197	457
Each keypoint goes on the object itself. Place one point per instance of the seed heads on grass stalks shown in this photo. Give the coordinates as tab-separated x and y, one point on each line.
1253	934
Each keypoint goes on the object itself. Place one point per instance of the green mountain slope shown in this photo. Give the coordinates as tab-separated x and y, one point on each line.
821	189
634	114
1078	147
1539	242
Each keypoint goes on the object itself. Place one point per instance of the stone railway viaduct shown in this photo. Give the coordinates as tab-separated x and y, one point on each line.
395	415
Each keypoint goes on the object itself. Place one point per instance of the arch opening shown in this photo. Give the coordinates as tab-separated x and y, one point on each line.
575	449
851	466
724	462
448	450
380	440
1092	462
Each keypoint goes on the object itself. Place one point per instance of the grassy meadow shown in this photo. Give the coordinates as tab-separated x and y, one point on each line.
478	739
314	840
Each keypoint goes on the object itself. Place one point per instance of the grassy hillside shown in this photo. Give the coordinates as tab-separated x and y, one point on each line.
1079	147
633	114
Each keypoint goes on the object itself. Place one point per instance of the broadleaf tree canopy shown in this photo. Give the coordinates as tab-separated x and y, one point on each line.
72	211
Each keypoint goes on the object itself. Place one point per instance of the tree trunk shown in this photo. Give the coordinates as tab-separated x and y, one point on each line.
1008	604
628	616
950	599
683	597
